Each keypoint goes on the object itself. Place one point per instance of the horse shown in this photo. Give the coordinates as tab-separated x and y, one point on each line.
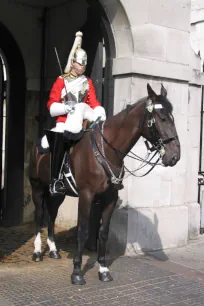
97	164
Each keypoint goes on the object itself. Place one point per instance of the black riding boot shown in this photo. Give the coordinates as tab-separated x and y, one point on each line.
66	161
56	143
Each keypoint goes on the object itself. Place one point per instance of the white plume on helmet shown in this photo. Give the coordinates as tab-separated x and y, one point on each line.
77	53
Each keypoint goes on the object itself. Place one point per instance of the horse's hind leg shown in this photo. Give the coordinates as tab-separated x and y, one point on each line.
109	205
85	200
53	204
38	198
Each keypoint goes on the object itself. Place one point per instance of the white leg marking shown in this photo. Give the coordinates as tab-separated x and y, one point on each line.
103	269
51	245
37	243
44	142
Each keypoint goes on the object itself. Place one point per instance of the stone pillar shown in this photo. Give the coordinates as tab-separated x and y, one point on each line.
160	210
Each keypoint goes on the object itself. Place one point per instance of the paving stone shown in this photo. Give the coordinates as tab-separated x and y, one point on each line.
137	281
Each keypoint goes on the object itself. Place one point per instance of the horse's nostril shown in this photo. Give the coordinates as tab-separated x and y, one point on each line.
174	158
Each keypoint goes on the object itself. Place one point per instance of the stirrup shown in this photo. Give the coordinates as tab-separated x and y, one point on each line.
55	190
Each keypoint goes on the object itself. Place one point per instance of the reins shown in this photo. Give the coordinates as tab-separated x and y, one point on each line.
158	145
135	157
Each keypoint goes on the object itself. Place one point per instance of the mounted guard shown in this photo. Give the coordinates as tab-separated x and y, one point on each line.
72	99
96	162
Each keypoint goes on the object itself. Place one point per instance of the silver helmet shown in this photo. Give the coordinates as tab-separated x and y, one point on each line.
80	57
77	54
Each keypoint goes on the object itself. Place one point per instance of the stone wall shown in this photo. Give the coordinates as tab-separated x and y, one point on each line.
160	210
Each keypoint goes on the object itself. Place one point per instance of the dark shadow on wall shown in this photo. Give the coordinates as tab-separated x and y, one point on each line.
15	126
134	234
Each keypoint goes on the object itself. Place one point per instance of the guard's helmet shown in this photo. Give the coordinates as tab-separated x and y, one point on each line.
77	54
80	57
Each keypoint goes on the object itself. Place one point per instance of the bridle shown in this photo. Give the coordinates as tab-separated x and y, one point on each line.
158	145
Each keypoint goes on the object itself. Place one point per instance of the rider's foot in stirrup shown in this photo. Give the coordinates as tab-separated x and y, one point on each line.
57	187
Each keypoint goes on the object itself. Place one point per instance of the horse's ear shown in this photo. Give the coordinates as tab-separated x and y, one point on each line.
151	94
163	91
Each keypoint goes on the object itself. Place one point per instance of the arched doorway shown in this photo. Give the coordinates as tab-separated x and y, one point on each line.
100	48
12	195
99	43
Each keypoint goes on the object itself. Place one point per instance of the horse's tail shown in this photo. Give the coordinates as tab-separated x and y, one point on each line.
32	174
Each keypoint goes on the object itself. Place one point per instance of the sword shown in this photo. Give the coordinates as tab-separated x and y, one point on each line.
60	67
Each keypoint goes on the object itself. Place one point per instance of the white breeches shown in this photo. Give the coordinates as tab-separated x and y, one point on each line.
73	122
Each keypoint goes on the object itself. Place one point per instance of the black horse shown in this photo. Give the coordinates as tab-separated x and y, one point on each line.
97	165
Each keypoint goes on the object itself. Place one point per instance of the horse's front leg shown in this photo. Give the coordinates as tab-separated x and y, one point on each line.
85	200
94	225
109	205
53	204
38	198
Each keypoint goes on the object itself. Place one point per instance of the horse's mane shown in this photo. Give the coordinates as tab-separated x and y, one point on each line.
167	106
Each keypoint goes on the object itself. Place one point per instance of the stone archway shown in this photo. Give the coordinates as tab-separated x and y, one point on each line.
117	35
13	197
120	27
124	48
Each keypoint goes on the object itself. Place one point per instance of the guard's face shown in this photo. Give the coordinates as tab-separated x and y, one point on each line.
78	68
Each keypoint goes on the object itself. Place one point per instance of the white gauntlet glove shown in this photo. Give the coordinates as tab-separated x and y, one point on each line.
99	111
58	109
67	108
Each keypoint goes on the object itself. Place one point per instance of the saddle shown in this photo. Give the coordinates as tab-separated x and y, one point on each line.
68	136
71	139
66	171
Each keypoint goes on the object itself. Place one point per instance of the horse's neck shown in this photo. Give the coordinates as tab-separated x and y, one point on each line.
126	128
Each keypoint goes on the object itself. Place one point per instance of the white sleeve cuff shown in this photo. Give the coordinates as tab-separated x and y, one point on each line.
57	109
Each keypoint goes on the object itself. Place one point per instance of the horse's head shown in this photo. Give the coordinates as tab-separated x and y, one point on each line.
159	126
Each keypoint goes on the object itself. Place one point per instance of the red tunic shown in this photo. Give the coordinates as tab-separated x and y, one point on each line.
55	96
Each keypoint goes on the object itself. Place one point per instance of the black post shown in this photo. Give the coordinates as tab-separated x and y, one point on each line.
201	141
1	134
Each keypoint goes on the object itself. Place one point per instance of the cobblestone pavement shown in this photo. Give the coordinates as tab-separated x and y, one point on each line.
16	243
137	281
